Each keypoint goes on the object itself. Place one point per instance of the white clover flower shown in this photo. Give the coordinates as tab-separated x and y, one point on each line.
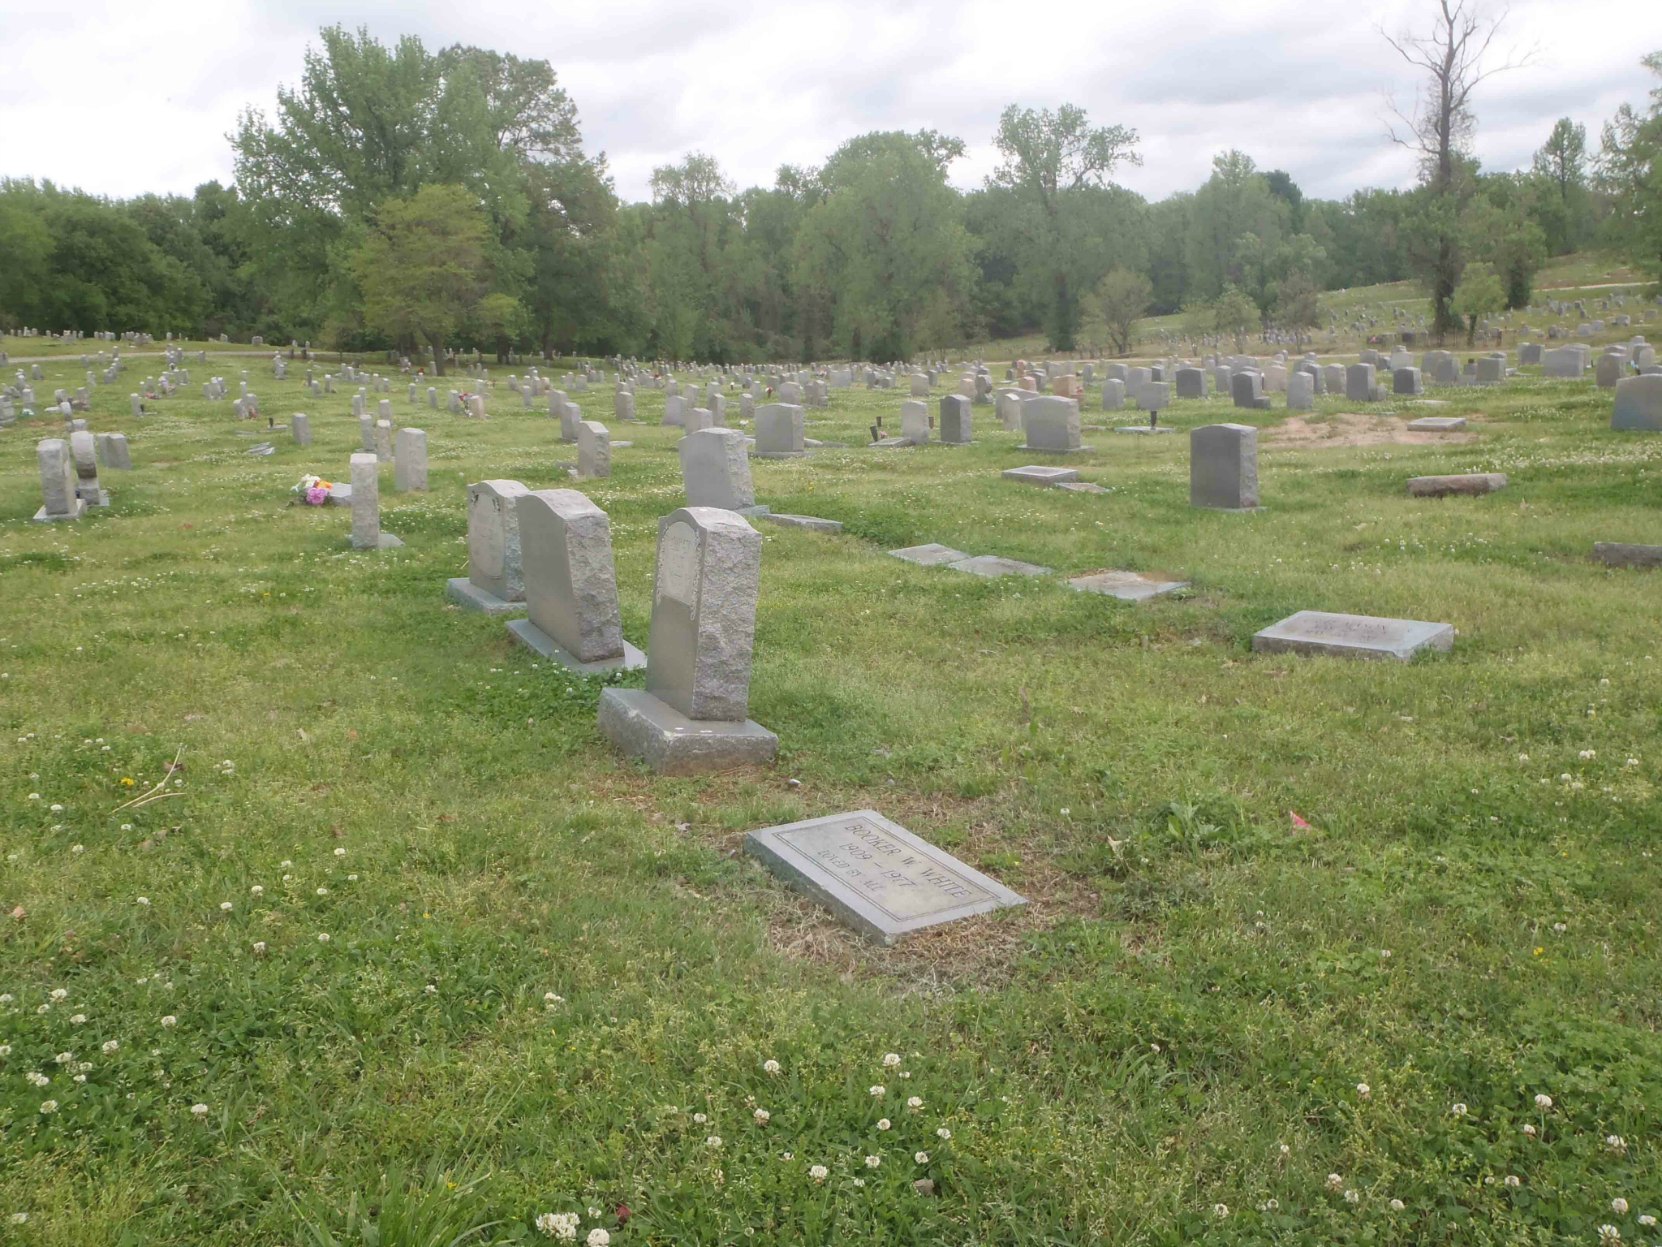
891	1060
1269	1205
111	1046
1529	1129
1459	1110
5	1050
199	1110
170	1021
770	1067
48	1107
58	994
322	937
787	1156
1615	1143
1220	1210
323	891
943	1133
20	1218
259	948
34	796
1286	1150
878	1091
714	1141
77	848
762	1116
922	1158
144	900
1351	1197
598	1238
1633	761
284	864
1543	1102
1587	755
1397	1205
1364	1091
883	1123
819	1173
1646	1220
64	1058
257	890
1334	1182
700	1118
860	1182
37	1078
57	809
873	1161
225	906
5	998
1619	1206
1513	1180
914	1103
77	1019
1609	1234
340	852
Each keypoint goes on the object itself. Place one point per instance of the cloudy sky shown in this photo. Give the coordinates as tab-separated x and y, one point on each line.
124	98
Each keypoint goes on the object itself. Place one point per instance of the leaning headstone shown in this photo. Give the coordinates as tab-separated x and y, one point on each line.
1638	405
495	580
1449	486
1052	424
1353	636
366	506
85	452
1223	467
59	500
570	585
594	450
876	876
693	714
955	420
779	431
715	469
409	471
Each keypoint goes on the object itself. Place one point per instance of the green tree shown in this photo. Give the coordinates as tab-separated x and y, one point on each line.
1050	161
1630	171
1500	232
1561	167
422	266
1479	293
1119	300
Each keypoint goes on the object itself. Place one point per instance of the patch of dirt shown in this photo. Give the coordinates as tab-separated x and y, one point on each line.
1356	429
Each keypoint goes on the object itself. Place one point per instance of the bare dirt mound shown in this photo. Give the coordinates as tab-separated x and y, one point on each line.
1355	429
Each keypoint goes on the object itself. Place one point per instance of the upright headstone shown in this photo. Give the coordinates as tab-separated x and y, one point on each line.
85	452
955	419
112	451
1223	467
1113	394
779	433
1052	424
495	581
914	421
570	586
366	506
715	468
1301	391
1360	384
409	471
59	500
383	440
1406	381
623	405
693	714
1191	383
1638	404
594	450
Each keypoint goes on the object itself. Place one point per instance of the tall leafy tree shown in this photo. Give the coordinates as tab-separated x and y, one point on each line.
1630	170
1562	168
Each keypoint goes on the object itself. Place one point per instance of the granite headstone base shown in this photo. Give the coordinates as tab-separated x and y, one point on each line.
538	641
646	728
469	596
77	509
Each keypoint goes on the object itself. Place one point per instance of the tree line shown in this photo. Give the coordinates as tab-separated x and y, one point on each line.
414	199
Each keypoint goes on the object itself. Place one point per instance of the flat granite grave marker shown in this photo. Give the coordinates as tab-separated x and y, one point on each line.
691	717
931	555
1619	554
1448	486
876	876
1353	636
992	566
570	584
495	580
1127	586
1039	474
1437	424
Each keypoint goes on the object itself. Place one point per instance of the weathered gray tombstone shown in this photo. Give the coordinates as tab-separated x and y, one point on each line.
85	452
1333	378
1491	369
409	470
495	580
1529	353
920	385
1467	484
1638	404
1223	467
1191	383
779	431
675	411
571	415
112	451
1437	424
914	421
1609	369
594	450
1353	636
300	428
876	876
1301	391
1361	385
366	506
1154	397
700	418
1407	381
715	470
570	585
693	715
955	420
366	435
1564	363
1050	423
59	501
383	440
623	405
1113	394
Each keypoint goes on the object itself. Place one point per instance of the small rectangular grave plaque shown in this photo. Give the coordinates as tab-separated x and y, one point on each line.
878	877
1353	636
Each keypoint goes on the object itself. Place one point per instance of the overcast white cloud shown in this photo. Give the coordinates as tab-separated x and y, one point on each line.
122	99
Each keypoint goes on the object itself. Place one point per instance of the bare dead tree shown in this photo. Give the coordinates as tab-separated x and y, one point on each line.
1452	56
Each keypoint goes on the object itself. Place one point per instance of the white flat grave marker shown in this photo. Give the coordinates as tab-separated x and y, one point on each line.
1039	474
992	566
875	875
930	555
1127	586
1437	424
1353	636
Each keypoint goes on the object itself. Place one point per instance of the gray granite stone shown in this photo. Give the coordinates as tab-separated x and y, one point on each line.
811	522
1437	424
594	450
1353	636
1618	554
779	431
955	420
704	613
83	449
113	453
643	727
716	470
366	505
493	551
930	555
1447	486
876	876
1039	474
1083	487
1223	467
1051	424
570	585
1127	586
409	471
300	428
57	482
992	566
914	422
1638	404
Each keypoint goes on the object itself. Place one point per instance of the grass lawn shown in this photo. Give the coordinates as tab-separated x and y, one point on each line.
408	950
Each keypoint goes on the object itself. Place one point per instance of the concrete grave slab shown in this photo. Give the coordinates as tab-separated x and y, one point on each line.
1353	636
1126	586
992	566
1618	554
1437	424
1039	474
931	555
811	522
1448	486
876	876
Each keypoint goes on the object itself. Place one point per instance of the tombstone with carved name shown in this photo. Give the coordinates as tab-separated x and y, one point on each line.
495	581
571	597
